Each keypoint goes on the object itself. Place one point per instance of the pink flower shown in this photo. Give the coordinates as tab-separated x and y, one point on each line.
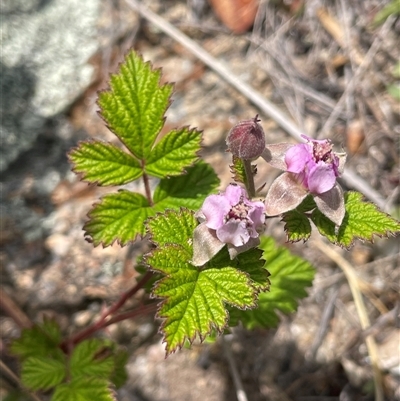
228	218
310	167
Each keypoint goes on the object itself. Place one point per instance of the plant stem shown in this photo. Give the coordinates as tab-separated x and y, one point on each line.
147	189
249	178
103	322
139	311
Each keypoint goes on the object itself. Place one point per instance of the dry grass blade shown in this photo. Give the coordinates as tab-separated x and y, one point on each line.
354	284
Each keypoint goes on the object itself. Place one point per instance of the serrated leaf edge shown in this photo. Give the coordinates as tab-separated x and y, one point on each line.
81	175
109	89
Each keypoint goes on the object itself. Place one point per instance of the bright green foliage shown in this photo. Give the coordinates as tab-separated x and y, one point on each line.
187	190
290	275
42	373
133	109
104	163
84	389
122	215
238	170
173	153
40	341
194	298
297	226
134	106
362	220
92	358
119	216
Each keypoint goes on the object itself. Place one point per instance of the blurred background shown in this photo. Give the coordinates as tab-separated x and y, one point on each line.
331	66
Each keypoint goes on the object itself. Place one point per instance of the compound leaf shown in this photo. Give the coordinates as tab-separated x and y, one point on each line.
42	373
135	104
193	299
362	220
119	375
188	190
92	358
84	389
41	340
177	150
290	275
297	226
104	163
119	216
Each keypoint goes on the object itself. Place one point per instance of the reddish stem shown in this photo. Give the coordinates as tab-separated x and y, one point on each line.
102	322
147	189
140	311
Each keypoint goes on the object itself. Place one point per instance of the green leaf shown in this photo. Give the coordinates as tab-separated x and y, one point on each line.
392	8
188	190
41	340
307	205
394	91
194	299
118	217
362	220
42	373
134	106
92	358
297	226
104	163
177	150
290	275
121	216
119	375
83	389
238	170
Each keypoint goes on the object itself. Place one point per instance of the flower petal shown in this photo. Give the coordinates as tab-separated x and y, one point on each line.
205	245
321	178
331	204
233	193
257	217
233	232
285	194
214	208
297	157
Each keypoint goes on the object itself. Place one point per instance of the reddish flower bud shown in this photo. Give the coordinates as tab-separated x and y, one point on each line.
246	139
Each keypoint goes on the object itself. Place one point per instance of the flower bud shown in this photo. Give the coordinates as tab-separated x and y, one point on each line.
246	139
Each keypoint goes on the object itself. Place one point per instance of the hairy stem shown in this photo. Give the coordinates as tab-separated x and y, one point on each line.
249	178
103	321
147	189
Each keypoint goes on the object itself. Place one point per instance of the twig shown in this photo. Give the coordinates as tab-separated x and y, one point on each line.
14	311
240	393
6	370
102	322
361	311
352	179
323	326
356	77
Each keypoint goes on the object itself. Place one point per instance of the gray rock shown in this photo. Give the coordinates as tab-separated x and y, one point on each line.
45	48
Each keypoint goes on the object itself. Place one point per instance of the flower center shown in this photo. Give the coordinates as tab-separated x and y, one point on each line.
237	212
323	152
